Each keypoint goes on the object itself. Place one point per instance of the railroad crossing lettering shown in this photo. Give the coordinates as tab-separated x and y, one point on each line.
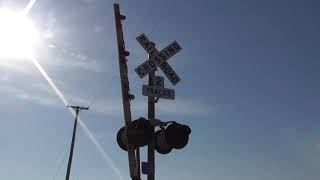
150	64
158	59
152	91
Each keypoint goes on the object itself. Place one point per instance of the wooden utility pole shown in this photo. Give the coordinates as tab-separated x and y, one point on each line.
77	109
126	96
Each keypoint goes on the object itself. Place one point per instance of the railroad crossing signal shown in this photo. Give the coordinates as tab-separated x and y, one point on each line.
158	59
140	132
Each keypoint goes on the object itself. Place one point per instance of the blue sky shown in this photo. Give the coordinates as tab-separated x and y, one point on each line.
250	89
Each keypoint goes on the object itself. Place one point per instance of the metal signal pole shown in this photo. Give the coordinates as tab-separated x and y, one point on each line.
133	155
77	109
151	115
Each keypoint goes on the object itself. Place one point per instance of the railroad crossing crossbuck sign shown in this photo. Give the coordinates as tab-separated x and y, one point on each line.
158	59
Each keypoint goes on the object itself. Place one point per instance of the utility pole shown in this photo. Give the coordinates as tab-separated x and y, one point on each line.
77	109
133	155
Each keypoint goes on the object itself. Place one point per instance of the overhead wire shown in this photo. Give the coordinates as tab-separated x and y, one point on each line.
61	163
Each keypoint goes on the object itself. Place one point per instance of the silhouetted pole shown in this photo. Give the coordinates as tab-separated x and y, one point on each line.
151	115
126	96
77	109
138	163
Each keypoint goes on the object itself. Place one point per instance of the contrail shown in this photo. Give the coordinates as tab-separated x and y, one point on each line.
52	85
85	128
27	9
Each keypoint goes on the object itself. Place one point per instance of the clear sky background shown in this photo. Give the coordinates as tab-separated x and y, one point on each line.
249	90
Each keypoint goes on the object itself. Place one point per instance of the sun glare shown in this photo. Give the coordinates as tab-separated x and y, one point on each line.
17	35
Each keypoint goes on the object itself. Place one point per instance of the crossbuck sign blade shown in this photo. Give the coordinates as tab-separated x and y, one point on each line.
158	59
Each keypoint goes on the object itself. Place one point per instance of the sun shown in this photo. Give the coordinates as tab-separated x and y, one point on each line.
18	35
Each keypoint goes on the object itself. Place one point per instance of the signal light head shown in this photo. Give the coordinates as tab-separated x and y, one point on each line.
174	136
161	144
177	135
138	133
122	138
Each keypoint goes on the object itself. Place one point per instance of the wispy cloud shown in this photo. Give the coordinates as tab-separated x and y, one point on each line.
88	1
187	107
113	107
75	59
104	106
14	66
41	93
38	99
55	57
289	131
317	145
35	96
181	107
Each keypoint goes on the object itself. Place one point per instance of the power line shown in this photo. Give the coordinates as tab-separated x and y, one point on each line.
61	164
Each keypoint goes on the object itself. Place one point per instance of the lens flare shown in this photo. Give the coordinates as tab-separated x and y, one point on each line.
18	35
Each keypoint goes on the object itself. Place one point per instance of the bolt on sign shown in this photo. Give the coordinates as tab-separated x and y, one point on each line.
158	59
